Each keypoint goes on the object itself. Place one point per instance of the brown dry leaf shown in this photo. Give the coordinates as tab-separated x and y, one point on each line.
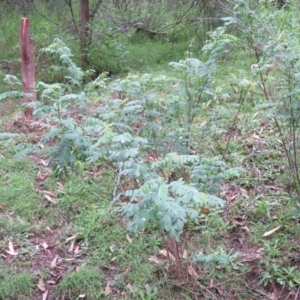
52	282
255	136
60	185
130	288
54	262
203	123
82	296
77	249
230	196
49	229
123	294
252	258
49	193
72	246
129	240
111	248
53	245
3	206
45	295
107	289
47	197
69	259
184	254
244	191
193	273
166	254
45	246
154	259
246	229
268	233
127	269
73	237
205	210
44	163
41	285
11	250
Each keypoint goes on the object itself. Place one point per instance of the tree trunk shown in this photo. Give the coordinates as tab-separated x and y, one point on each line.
84	32
27	64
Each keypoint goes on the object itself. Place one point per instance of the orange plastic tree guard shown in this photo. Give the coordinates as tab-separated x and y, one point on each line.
28	66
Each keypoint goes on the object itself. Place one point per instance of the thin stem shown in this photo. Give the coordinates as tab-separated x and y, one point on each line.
115	189
69	3
242	97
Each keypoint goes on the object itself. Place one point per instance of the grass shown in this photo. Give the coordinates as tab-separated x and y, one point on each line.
15	284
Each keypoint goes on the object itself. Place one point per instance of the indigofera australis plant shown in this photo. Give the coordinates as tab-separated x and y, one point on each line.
169	201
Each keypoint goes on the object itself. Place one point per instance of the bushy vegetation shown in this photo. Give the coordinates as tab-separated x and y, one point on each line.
167	169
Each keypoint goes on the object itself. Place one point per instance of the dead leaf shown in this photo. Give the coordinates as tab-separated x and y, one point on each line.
73	237
11	250
49	193
111	248
81	296
238	223
49	229
45	295
69	259
52	245
129	240
203	123
244	191
60	185
246	229
77	268
71	248
77	249
44	162
130	288
166	254
193	273
45	246
52	282
205	210
184	254
54	262
107	289
154	259
50	199
268	233
3	206
41	285
255	136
